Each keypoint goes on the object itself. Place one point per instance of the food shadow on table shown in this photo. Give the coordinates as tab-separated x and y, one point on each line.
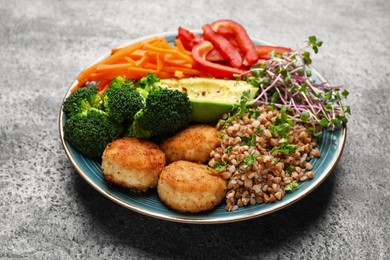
164	238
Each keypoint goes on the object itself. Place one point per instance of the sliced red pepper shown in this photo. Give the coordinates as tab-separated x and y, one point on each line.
264	51
225	31
229	35
214	55
188	38
245	43
199	54
224	47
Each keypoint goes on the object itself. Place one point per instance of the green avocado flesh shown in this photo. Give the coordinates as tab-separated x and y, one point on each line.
211	98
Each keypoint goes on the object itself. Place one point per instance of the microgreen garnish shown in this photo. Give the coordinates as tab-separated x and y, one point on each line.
282	124
243	100
280	130
250	159
222	135
284	148
220	166
291	186
250	141
238	111
260	131
314	43
229	149
284	80
289	169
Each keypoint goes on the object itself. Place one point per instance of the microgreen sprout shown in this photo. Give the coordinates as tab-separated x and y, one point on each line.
291	187
286	81
220	166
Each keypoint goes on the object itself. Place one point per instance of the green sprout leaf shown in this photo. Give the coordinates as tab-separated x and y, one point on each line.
306	58
291	187
284	148
220	166
250	160
305	117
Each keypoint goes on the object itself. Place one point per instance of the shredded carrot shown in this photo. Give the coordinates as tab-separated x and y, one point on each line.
178	74
129	60
137	54
180	46
165	75
108	67
166	50
150	40
103	86
160	62
153	55
78	85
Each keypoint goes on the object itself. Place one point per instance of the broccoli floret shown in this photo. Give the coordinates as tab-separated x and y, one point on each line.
90	131
119	82
149	80
121	102
166	111
135	130
82	100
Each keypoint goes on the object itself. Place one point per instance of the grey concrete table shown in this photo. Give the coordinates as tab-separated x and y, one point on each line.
49	212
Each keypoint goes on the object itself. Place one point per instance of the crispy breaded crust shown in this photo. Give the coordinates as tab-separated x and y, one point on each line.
189	187
191	144
133	163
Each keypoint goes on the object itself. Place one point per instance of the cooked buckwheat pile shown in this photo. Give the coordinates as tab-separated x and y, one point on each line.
263	154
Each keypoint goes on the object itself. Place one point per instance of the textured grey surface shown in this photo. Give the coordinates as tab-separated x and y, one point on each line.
47	211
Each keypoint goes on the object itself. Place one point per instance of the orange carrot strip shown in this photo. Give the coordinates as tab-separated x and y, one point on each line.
178	74
180	46
178	63
129	60
150	40
108	67
160	42
172	51
150	66
141	61
130	73
173	47
77	86
106	75
164	75
137	54
122	53
101	92
150	57
103	84
160	63
166	45
83	76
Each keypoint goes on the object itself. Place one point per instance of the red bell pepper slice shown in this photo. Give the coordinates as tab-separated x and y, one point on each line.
264	51
188	38
245	43
214	55
224	47
199	54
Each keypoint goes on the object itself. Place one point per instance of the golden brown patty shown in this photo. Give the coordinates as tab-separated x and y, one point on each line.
133	163
189	187
191	144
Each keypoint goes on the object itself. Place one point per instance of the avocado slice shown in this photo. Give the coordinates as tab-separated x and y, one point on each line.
211	98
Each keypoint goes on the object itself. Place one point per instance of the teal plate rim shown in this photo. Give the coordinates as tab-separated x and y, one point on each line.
331	145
